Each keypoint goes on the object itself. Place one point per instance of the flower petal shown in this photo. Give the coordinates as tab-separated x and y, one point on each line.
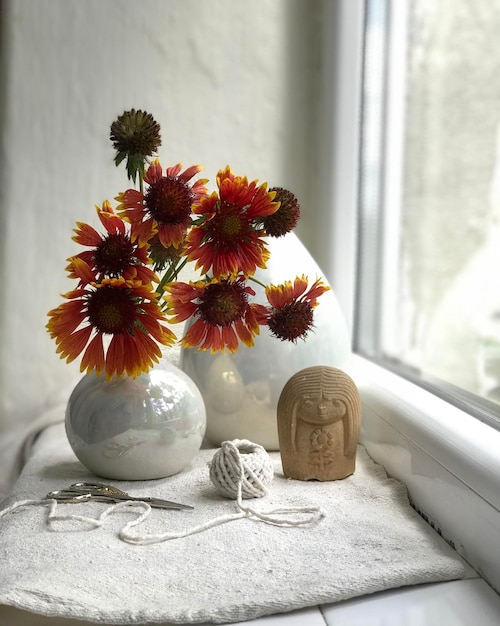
93	358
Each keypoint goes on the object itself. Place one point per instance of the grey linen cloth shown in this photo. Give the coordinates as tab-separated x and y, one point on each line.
16	446
369	540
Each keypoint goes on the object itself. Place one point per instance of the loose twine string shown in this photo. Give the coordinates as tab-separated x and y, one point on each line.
239	470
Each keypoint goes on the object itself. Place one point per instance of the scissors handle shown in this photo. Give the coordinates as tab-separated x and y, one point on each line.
98	489
69	496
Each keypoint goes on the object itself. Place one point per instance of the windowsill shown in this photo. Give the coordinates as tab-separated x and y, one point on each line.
448	459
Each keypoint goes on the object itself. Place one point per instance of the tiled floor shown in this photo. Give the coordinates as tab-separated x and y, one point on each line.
457	603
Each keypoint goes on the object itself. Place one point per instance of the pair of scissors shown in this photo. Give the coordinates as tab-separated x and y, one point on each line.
101	492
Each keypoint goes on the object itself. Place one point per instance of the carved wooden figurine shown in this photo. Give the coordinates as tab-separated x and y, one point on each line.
319	419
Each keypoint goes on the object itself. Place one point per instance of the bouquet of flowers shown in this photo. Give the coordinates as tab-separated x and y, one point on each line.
128	286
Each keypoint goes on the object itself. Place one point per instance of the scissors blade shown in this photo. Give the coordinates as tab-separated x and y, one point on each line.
158	503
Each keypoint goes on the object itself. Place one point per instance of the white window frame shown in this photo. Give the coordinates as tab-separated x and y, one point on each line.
449	460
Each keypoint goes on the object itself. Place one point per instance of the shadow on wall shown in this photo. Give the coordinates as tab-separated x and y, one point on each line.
3	157
300	108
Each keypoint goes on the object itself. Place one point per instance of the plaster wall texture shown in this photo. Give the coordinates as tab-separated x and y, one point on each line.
229	82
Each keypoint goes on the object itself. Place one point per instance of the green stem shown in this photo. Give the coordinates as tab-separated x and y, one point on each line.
161	285
253	279
179	268
141	181
170	275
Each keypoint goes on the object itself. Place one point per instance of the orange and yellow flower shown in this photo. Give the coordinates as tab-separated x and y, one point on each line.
165	207
290	316
228	240
124	310
113	254
222	311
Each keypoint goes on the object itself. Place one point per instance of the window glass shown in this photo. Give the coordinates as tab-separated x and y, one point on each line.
429	240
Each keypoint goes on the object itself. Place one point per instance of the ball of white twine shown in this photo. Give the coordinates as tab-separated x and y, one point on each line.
241	469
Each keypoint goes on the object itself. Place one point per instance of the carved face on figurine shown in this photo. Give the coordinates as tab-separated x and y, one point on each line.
322	409
319	418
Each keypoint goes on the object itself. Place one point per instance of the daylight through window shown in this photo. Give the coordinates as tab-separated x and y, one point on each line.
429	240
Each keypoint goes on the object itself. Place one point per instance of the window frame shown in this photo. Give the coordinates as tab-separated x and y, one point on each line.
448	459
378	263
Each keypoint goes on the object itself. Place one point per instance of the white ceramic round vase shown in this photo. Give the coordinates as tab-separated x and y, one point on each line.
136	428
241	390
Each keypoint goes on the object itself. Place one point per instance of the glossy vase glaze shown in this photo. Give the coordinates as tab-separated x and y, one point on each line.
136	429
241	390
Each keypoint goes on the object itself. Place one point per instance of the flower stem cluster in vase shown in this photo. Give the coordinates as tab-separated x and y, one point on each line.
130	407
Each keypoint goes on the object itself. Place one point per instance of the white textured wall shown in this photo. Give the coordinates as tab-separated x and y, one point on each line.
229	81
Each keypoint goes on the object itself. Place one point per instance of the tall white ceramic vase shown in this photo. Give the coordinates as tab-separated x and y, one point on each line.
241	390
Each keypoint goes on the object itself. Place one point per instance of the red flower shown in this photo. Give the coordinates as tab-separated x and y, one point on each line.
286	217
124	309
291	314
165	207
224	315
227	240
112	255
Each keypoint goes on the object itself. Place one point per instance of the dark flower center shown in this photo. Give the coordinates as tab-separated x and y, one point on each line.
169	201
112	310
223	303
114	255
229	226
292	321
286	217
